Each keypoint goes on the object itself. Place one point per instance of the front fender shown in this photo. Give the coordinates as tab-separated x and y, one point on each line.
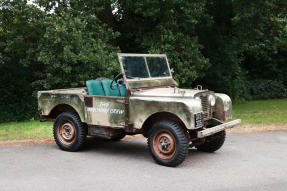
143	107
223	107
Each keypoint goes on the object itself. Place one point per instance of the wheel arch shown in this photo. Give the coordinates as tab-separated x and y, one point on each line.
62	107
158	116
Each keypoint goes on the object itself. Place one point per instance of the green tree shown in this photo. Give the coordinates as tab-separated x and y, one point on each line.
20	31
56	49
166	27
75	46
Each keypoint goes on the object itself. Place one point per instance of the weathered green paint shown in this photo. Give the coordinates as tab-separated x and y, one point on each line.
47	101
223	103
143	107
106	111
167	92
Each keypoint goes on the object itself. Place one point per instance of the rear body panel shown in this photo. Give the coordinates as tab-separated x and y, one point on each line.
48	101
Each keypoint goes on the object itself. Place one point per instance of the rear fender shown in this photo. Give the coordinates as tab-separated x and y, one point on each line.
48	103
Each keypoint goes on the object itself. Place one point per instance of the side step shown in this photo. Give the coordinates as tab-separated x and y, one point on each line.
218	128
104	132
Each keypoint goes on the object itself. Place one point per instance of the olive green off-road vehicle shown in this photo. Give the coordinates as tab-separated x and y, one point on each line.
144	100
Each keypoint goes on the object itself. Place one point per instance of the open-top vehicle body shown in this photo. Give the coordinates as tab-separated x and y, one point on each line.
145	100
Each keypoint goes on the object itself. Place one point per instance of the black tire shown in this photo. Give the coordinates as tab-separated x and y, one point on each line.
214	145
69	131
168	143
101	78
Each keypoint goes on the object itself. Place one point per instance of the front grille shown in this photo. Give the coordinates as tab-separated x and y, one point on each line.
207	109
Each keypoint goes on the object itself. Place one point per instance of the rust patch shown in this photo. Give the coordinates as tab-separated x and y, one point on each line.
88	101
223	116
134	137
94	130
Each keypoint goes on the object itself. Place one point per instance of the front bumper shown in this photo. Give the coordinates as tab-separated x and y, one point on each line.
218	128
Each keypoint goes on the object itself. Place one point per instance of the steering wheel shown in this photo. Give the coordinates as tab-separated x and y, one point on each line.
120	81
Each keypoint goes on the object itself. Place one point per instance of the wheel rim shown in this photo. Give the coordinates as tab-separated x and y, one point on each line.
66	132
164	144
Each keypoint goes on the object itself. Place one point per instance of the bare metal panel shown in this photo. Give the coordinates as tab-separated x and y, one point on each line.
168	92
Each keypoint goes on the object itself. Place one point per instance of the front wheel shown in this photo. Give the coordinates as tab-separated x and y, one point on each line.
168	143
69	131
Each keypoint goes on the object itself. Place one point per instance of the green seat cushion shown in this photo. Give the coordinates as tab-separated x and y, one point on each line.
108	91
122	90
95	88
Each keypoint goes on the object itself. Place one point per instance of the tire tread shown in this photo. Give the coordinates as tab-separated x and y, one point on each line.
183	140
81	133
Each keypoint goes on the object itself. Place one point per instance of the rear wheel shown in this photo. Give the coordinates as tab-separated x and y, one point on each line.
214	145
168	143
69	131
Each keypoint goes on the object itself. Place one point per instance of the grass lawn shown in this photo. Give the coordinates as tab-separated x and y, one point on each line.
26	130
268	112
255	115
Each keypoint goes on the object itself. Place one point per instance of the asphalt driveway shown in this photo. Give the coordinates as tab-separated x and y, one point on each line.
256	161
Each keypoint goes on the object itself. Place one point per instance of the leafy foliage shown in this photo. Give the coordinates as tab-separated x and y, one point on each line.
245	43
237	47
16	102
75	46
267	89
166	27
60	50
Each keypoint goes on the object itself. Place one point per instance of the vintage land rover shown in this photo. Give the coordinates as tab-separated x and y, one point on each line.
142	99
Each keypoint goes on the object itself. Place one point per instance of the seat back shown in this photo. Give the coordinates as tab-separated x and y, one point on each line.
122	90
95	87
108	91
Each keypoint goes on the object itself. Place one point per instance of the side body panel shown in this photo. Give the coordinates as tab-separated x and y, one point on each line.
47	101
223	105
106	111
143	107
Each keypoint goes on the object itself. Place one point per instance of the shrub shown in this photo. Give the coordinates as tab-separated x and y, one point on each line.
16	100
267	89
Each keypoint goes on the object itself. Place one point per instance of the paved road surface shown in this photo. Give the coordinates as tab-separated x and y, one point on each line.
255	161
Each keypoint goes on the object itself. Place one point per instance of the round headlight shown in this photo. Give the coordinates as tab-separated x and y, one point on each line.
211	100
198	99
